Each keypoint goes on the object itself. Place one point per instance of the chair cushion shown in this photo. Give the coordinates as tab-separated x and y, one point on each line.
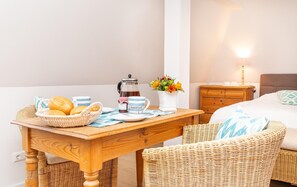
53	159
239	123
288	97
290	140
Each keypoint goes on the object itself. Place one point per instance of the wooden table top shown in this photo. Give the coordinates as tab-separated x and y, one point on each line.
89	133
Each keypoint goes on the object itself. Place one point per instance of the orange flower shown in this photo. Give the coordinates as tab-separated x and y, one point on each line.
171	88
155	84
178	86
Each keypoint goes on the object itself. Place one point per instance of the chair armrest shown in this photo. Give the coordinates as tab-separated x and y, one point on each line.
27	112
200	133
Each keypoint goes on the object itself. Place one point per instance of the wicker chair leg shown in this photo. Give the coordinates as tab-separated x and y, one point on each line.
114	172
42	175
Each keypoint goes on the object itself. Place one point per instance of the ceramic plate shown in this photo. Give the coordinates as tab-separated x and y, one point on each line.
107	110
131	117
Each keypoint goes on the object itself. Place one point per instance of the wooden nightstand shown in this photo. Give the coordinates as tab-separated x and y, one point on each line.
213	97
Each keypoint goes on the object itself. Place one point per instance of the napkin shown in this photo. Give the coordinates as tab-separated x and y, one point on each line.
105	120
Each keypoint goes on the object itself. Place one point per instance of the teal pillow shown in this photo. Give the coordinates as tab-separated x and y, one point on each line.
239	124
288	97
41	103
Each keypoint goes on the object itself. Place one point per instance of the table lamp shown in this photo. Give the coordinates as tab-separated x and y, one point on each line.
242	62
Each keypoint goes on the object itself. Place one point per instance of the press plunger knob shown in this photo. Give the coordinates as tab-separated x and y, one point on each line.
129	76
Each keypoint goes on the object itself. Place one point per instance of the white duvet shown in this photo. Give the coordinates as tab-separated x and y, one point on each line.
267	105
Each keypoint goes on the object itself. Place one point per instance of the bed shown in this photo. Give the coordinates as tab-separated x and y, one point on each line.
269	105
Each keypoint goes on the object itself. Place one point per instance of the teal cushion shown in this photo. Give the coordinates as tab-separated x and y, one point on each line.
41	103
288	97
239	124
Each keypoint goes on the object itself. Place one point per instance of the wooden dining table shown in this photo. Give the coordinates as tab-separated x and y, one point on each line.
90	146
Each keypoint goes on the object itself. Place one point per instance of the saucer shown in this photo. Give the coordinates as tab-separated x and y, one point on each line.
107	110
131	117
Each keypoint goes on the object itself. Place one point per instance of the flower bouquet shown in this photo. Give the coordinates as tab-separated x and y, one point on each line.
167	92
166	83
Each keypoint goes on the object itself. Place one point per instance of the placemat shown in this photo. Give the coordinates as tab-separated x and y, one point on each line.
107	120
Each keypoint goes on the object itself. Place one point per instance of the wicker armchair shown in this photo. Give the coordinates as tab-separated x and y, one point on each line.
241	161
64	173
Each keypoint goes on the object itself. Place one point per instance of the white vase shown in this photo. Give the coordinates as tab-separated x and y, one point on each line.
167	101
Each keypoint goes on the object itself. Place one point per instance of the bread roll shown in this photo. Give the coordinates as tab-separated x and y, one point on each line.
77	110
56	113
61	103
94	108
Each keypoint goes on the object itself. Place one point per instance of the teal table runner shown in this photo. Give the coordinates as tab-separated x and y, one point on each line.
107	120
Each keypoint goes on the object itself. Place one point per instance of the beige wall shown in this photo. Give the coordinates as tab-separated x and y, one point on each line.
219	28
80	42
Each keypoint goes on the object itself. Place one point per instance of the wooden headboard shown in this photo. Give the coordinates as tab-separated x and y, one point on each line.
274	82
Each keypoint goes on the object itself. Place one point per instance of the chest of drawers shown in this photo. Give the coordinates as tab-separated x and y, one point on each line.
213	97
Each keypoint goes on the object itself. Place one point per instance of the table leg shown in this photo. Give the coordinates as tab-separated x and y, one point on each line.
91	179
139	167
31	168
42	175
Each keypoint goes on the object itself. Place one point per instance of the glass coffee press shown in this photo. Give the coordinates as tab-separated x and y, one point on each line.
127	87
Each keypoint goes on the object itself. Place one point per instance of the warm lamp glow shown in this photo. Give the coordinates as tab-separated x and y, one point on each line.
243	53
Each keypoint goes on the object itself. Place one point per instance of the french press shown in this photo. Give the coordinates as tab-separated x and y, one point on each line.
127	87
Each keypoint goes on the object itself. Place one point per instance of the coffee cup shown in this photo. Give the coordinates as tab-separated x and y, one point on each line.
81	100
137	104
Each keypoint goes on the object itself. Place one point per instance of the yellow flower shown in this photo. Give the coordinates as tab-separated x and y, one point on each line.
155	84
178	86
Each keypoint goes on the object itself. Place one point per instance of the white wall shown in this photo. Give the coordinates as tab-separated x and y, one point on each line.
266	28
220	29
177	49
14	98
77	42
209	21
177	45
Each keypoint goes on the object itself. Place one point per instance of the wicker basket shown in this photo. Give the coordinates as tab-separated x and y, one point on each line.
84	118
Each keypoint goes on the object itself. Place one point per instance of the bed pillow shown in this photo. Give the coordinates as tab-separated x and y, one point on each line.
288	97
239	124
